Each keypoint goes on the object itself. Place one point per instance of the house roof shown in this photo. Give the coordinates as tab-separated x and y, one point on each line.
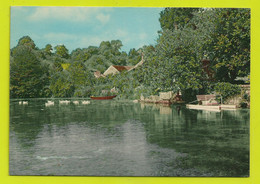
112	68
120	68
129	67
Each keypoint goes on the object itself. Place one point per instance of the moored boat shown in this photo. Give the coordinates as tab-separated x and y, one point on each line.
216	108
204	107
209	103
102	97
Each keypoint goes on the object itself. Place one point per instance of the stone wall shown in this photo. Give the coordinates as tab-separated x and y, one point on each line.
166	95
163	97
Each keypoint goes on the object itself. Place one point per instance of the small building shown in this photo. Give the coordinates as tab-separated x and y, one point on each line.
207	99
115	69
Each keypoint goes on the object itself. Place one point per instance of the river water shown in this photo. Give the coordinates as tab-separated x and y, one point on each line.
122	138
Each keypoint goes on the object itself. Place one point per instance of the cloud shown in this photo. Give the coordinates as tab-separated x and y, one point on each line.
103	18
72	14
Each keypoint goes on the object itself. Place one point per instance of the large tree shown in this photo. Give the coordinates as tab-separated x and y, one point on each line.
176	18
229	46
48	49
26	41
62	51
175	62
28	77
219	36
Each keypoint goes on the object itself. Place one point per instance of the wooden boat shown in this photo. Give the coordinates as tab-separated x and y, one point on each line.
204	107
164	102
102	97
216	108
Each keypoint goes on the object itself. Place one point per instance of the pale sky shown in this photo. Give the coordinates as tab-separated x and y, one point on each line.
80	27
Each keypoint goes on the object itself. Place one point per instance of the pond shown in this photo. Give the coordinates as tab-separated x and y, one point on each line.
122	138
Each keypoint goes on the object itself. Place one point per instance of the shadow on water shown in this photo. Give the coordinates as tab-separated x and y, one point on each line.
210	143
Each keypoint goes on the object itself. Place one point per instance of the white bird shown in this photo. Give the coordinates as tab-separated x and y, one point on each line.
64	102
49	103
85	102
76	102
20	102
67	101
25	102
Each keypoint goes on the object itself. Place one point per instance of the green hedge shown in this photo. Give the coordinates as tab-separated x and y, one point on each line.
226	89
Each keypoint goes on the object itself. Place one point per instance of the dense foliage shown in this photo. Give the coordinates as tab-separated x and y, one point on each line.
229	46
226	89
189	36
28	76
54	72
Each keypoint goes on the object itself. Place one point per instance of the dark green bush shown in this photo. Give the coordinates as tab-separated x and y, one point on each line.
226	89
243	104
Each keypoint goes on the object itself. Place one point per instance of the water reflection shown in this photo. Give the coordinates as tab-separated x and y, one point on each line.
127	139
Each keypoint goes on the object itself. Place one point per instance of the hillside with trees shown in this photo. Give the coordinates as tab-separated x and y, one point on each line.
197	51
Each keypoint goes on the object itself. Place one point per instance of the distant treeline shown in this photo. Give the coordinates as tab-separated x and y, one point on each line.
198	51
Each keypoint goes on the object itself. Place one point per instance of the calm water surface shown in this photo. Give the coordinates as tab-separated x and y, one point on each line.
121	138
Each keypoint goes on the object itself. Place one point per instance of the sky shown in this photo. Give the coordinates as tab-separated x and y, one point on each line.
80	27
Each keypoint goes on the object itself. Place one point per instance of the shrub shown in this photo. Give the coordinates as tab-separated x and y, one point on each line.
226	89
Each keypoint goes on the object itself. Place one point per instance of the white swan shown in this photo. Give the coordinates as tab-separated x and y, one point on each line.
76	102
49	103
85	102
64	102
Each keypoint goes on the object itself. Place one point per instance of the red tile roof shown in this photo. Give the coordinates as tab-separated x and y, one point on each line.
120	68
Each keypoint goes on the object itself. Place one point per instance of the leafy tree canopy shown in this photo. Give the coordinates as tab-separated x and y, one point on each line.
62	51
176	18
26	41
28	77
229	46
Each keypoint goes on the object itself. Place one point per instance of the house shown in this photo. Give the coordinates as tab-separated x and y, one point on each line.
115	69
98	74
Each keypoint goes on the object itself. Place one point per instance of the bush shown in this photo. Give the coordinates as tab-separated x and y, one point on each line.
189	95
243	104
226	89
142	90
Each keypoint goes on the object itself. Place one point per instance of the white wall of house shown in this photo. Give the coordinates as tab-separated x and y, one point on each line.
111	70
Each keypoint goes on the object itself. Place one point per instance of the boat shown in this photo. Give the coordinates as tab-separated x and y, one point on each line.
102	97
216	108
164	102
204	107
209	103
